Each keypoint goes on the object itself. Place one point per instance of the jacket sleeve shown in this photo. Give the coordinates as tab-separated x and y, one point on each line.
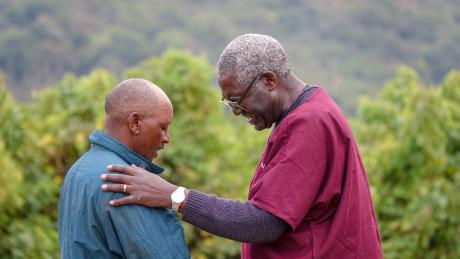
141	232
240	221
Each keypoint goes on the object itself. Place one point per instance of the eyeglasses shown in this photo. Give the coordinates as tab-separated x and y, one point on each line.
236	104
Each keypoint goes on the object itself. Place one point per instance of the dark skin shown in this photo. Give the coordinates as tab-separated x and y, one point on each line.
263	105
126	132
266	100
143	130
143	188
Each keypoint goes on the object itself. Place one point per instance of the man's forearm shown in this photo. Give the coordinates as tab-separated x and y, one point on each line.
231	219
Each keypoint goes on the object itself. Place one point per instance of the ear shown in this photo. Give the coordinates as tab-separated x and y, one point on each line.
269	79
134	121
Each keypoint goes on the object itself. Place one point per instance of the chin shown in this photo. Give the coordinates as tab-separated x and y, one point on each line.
152	156
260	127
260	124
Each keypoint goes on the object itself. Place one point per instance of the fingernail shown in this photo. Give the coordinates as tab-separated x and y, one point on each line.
104	187
111	203
103	177
109	167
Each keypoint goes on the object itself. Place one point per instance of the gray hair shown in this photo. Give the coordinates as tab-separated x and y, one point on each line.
249	55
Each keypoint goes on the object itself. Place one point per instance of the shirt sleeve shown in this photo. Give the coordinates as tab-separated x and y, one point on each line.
240	221
289	184
144	232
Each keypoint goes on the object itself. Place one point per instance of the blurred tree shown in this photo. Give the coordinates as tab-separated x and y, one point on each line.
409	136
28	193
349	47
39	141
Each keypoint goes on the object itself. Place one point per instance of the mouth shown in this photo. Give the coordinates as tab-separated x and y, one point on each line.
251	118
257	121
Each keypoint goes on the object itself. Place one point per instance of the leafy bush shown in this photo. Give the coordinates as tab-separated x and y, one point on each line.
409	138
410	142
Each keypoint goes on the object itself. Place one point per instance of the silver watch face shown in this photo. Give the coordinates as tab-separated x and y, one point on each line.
178	196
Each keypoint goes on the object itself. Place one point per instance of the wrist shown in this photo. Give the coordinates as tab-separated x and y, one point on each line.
182	205
169	193
178	197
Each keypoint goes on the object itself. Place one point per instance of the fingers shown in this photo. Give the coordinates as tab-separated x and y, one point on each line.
131	199
116	188
116	178
130	170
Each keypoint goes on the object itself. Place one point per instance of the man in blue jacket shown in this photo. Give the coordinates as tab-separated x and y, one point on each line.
138	114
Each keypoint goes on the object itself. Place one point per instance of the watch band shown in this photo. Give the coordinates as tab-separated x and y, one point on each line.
177	197
175	207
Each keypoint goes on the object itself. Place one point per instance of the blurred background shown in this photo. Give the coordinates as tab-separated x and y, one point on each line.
392	66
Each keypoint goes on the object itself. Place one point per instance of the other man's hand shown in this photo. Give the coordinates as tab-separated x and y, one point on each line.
142	187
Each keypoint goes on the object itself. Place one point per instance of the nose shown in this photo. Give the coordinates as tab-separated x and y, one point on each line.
166	138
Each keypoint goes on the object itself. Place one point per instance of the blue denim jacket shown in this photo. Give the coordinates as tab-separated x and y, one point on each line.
90	228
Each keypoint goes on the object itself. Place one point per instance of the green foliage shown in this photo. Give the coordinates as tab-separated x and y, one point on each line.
350	47
68	113
41	140
410	145
409	139
28	193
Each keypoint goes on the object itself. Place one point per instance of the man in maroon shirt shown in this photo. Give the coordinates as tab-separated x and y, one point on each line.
309	197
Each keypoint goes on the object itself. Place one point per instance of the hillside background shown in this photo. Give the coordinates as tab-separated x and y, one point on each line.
393	66
349	47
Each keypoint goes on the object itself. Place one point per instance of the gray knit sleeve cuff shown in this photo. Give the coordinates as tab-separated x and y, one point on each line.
196	201
240	221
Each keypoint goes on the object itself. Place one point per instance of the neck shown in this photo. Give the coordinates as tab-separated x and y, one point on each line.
116	132
294	87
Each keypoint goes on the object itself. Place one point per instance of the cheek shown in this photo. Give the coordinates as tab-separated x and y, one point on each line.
260	113
156	137
259	106
263	116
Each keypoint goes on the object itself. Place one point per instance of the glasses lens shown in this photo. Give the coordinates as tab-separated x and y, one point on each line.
234	105
231	104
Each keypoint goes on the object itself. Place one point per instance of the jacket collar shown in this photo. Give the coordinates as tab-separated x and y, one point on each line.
102	139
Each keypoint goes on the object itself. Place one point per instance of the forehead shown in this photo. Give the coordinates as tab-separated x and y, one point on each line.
229	85
163	112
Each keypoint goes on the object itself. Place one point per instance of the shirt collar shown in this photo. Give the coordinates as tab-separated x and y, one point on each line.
303	97
102	139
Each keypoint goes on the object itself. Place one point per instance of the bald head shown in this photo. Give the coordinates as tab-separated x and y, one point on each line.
138	114
134	95
249	55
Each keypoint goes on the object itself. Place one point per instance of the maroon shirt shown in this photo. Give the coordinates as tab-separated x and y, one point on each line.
312	177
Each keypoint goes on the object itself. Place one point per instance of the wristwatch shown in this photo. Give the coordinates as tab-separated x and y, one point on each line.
177	197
